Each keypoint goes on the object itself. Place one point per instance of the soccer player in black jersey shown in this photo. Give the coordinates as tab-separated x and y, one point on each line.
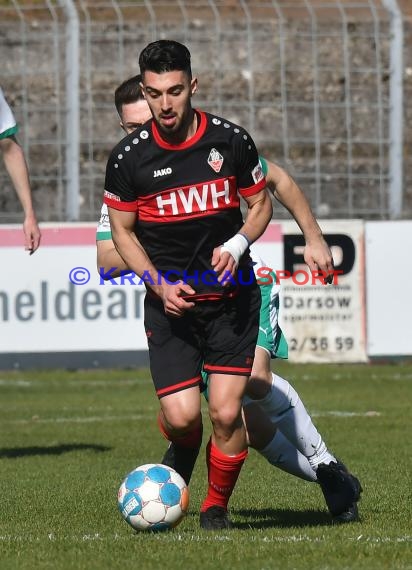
181	175
266	429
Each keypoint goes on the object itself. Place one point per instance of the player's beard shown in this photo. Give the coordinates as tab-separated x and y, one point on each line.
177	133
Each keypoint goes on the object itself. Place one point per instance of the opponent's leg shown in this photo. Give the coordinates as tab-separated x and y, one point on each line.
285	409
270	442
282	404
308	455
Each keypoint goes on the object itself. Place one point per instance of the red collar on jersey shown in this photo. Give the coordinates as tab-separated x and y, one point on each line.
193	140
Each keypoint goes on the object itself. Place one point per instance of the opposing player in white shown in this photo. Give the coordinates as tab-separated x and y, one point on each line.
284	433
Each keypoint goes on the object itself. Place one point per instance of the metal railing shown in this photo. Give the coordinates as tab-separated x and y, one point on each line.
318	84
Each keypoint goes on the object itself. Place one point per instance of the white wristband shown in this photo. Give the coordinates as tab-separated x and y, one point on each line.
236	246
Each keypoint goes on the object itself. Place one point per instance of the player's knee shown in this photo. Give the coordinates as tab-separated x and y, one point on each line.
225	418
181	412
180	423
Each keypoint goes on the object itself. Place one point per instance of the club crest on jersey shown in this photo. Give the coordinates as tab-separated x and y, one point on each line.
215	160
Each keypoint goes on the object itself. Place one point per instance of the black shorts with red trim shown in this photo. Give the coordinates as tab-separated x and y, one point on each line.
218	336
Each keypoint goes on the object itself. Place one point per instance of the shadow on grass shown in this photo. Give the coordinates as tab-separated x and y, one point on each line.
256	519
279	518
15	452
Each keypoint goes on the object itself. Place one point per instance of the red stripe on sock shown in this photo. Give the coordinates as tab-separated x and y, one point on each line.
223	473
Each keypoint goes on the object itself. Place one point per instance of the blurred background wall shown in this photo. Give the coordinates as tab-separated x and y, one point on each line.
312	81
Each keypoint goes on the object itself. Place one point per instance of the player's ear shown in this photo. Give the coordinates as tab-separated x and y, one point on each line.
122	126
142	89
193	85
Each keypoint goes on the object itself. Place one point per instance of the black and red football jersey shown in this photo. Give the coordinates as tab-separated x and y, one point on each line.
186	197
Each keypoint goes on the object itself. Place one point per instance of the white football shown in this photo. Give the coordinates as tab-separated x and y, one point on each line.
153	497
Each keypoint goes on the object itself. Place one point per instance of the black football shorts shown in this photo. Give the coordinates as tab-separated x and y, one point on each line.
218	336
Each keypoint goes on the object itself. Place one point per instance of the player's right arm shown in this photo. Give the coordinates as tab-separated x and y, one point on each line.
121	198
135	257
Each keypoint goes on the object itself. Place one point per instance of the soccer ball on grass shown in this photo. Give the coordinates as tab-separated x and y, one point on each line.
153	497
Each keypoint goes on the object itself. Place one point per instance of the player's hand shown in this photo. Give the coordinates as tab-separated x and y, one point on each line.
172	295
32	234
224	265
318	257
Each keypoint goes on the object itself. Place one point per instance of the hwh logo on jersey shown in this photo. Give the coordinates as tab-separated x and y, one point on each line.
190	200
162	172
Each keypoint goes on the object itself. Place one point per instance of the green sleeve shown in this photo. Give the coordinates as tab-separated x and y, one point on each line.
264	165
9	132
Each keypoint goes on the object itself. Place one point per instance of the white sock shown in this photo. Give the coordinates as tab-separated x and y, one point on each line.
287	411
281	453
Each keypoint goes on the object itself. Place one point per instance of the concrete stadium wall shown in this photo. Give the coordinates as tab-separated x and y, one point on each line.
310	83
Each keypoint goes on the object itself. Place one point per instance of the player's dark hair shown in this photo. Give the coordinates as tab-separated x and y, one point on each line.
128	92
165	55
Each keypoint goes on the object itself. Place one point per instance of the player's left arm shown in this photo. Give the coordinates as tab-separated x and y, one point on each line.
317	253
259	213
251	185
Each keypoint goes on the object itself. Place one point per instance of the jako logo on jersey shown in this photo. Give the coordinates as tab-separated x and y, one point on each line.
215	160
257	173
162	172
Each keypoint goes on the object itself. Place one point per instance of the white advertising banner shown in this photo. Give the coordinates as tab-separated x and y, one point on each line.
56	301
325	323
388	279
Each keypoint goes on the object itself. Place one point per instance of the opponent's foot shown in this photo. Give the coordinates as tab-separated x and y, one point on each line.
214	518
350	515
181	459
341	490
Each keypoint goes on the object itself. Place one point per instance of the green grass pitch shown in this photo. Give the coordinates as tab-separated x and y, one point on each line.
68	438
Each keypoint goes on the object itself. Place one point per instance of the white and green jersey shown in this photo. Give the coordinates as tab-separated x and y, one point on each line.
270	335
8	125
